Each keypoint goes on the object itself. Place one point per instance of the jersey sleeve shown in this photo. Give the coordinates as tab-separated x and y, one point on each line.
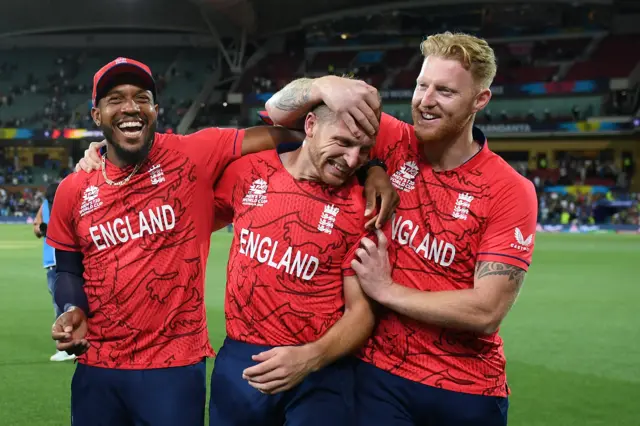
62	219
213	148
391	131
372	235
347	271
510	233
356	228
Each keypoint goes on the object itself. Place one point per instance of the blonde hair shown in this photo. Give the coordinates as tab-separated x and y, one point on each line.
473	53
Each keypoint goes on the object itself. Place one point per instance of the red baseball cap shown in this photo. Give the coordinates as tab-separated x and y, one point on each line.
118	67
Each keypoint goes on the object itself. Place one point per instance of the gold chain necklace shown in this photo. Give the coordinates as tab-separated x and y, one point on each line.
122	182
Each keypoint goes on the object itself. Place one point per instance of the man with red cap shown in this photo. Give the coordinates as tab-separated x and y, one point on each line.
131	246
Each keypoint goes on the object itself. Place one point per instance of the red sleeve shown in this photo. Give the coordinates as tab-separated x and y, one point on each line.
64	215
346	265
391	131
510	234
347	271
358	222
214	148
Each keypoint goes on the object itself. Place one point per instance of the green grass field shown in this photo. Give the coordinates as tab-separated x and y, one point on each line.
572	339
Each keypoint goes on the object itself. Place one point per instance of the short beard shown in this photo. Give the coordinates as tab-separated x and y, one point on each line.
126	156
445	133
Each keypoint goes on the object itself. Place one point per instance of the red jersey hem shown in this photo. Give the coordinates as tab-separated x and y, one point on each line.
152	366
444	385
348	272
61	246
504	258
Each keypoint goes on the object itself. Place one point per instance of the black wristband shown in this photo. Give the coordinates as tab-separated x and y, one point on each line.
377	162
361	174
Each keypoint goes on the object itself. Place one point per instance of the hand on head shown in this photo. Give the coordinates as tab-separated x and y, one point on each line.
354	101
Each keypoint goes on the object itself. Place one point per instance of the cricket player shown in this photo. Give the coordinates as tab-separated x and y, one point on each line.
131	243
295	312
40	224
455	256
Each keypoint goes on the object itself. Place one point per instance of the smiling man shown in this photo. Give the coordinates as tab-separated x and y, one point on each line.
293	305
131	247
461	242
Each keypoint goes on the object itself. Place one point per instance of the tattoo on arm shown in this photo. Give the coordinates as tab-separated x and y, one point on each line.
295	95
515	274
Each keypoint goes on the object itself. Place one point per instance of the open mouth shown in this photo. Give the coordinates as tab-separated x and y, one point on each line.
429	117
338	169
131	129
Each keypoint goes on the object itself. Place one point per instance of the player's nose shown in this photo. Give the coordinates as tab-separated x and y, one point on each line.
129	106
352	157
429	98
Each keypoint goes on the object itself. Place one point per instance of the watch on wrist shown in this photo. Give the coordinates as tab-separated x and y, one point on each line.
362	172
376	162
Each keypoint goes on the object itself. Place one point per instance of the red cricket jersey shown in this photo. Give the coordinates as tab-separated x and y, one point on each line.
145	247
293	242
447	222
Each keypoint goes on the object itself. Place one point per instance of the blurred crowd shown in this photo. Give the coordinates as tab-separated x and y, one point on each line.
614	205
67	103
21	187
609	200
23	203
588	209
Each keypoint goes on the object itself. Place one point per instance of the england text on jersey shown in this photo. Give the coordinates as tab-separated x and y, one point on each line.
120	230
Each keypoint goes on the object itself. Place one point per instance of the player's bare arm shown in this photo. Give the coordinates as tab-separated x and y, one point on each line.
351	331
262	138
256	139
480	309
353	100
282	368
378	186
36	223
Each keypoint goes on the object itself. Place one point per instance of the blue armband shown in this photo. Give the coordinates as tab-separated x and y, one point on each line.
69	282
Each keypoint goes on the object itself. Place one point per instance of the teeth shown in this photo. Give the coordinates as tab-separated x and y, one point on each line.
130	124
339	167
428	116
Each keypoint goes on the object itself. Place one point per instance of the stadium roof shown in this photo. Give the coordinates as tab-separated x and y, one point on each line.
228	17
191	16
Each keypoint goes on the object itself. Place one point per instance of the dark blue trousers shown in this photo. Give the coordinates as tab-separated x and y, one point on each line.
156	397
324	398
385	399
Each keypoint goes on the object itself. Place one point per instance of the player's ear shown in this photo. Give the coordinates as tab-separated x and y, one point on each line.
482	99
97	117
311	124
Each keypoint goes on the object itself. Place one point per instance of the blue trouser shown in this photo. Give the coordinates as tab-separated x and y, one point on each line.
51	285
385	399
174	396
324	398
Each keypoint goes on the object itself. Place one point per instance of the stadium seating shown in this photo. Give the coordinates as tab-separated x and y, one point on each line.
53	88
616	56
